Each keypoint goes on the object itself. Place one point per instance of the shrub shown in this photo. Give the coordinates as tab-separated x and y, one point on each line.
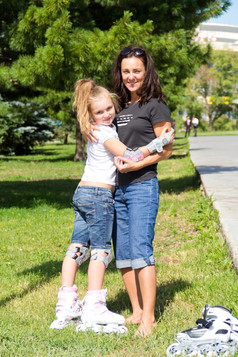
22	126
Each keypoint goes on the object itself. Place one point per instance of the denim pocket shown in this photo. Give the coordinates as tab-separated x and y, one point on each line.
85	207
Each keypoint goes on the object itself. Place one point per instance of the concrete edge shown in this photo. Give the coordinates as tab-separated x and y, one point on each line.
232	245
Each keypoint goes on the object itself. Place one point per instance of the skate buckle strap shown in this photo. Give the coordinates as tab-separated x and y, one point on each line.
133	154
97	254
204	323
73	252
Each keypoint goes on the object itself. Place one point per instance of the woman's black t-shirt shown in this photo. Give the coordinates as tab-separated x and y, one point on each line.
135	128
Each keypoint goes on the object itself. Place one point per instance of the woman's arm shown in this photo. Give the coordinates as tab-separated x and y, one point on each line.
124	165
119	149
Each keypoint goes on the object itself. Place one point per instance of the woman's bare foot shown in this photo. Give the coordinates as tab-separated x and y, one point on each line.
145	329
135	318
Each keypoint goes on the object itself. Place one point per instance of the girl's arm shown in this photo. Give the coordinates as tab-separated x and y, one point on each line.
119	149
124	165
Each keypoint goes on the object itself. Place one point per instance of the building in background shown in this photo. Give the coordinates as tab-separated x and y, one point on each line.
221	37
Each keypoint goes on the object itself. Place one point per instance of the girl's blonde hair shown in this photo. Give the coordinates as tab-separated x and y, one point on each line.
86	91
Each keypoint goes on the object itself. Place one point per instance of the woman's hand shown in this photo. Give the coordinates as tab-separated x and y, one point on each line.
125	165
91	136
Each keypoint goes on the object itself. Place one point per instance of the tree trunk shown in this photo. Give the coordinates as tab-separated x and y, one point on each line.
210	124
66	139
80	154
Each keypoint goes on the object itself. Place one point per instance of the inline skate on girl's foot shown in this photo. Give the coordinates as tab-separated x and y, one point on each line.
68	308
216	334
97	317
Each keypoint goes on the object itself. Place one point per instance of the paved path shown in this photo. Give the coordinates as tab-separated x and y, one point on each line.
216	160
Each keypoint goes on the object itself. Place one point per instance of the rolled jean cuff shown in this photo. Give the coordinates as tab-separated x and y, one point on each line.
136	263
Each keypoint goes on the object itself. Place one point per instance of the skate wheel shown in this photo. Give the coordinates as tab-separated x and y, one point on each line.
113	328
123	329
96	328
81	327
204	350
232	345
190	351
221	349
174	350
59	324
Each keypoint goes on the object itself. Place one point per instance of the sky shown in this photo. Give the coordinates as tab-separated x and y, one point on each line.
228	18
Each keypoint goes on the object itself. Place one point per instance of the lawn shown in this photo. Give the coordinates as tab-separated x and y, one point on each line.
36	219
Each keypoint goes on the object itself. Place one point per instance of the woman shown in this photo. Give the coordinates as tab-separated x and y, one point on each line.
143	116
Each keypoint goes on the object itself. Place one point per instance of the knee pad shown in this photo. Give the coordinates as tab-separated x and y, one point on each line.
72	252
95	255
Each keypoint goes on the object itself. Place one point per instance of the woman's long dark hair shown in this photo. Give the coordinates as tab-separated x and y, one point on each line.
151	87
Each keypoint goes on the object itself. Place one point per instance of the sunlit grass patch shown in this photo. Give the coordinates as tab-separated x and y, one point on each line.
36	219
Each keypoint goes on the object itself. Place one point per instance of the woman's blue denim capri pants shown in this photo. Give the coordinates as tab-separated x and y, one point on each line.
136	207
94	214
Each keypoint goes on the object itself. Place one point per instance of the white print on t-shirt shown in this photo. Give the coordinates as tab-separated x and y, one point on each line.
124	119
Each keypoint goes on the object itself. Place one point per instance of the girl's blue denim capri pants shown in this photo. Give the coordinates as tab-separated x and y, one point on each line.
136	207
94	214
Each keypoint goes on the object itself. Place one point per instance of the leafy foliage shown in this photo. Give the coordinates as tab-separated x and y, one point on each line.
47	45
216	85
22	126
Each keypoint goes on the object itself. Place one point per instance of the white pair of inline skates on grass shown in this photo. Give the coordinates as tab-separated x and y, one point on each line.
216	334
89	314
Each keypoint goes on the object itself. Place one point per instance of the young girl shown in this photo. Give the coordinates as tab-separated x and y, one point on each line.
94	212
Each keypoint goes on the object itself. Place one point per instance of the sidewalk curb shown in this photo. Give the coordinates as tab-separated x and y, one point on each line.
225	225
215	159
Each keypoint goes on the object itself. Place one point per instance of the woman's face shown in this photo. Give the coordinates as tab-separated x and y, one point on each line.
133	72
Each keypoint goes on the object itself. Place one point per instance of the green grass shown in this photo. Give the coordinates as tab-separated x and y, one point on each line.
36	219
210	133
218	133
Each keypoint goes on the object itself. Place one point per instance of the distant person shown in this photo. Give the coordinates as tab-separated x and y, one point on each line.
187	126
195	123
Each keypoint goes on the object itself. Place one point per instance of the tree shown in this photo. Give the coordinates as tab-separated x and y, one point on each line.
22	126
215	86
55	42
166	16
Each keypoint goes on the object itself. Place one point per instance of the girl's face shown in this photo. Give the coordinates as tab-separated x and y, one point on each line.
103	110
133	72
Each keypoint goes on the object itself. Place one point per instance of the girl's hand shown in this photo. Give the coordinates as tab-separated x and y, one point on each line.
171	132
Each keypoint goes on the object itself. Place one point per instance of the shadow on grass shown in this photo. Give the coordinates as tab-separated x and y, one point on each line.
164	296
55	153
43	274
47	157
22	194
59	193
49	270
182	184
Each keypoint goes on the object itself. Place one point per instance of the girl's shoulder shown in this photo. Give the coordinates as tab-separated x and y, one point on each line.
106	132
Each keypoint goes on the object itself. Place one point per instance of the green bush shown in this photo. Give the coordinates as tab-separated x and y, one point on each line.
224	123
22	126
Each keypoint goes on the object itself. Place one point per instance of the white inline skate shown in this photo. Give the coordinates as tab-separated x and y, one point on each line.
97	317
216	334
68	308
